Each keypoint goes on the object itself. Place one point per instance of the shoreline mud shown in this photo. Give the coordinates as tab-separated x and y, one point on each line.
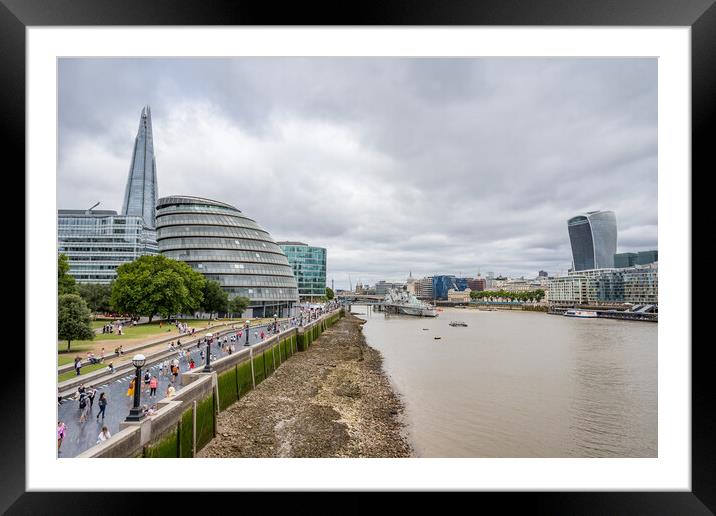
333	400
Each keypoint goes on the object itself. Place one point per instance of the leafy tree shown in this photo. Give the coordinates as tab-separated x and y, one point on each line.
329	293
155	284
238	304
96	295
65	282
73	319
216	299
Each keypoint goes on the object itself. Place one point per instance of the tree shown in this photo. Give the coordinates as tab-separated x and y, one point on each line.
238	304
216	299
96	295
65	282
155	284
329	293
73	319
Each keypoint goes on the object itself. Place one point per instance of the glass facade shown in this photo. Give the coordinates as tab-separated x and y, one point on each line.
593	237
97	242
140	194
637	285
622	260
225	245
441	285
309	268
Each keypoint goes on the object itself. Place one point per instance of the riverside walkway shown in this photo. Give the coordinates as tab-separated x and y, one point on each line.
82	436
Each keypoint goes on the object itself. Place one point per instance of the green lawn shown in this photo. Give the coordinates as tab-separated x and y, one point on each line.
136	332
85	369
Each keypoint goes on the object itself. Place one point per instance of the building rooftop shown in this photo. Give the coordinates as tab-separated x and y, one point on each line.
96	213
287	242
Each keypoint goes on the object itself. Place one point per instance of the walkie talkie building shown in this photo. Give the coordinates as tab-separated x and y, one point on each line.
593	236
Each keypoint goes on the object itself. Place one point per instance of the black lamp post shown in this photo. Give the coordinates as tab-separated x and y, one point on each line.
207	367
275	323
136	413
247	333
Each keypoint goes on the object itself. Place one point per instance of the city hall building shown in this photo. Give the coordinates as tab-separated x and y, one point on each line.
226	246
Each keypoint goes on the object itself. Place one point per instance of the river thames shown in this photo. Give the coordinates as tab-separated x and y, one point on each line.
521	384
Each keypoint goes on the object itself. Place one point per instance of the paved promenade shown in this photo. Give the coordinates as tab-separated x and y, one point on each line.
82	436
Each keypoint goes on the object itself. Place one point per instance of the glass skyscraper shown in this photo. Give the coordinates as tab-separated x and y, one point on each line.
140	194
96	242
309	268
225	245
593	237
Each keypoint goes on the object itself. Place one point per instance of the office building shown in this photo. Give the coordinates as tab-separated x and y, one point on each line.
96	242
425	288
593	237
635	285
225	245
459	296
309	268
647	257
443	283
623	260
382	287
477	284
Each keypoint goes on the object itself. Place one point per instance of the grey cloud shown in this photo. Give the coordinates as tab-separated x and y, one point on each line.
429	165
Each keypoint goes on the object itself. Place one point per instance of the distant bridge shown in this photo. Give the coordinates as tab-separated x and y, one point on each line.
360	298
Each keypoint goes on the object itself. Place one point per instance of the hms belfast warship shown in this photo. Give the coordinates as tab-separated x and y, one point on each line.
403	302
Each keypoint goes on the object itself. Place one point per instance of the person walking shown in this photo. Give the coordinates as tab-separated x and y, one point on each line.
147	381
171	391
91	393
262	335
192	365
102	404
153	386
78	365
84	407
103	435
130	389
61	429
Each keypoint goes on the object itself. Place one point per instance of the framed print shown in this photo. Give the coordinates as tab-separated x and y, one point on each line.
415	250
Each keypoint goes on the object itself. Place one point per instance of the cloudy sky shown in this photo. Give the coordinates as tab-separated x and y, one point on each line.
449	166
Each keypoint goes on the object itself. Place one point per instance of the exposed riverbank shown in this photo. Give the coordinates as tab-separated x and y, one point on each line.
333	400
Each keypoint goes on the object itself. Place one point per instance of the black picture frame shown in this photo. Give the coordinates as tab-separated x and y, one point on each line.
700	15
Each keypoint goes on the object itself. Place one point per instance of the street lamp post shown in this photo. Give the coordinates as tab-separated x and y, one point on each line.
207	367
275	323
247	333
136	413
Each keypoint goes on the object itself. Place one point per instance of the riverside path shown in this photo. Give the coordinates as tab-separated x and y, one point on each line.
82	436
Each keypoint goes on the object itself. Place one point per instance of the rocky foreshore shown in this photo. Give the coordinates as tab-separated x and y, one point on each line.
333	400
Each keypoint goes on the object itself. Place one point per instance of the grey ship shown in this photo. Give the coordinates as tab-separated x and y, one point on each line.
404	302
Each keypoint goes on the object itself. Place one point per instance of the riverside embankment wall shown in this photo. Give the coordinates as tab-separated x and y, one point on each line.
186	422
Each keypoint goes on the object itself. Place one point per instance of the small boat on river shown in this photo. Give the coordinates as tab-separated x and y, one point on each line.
458	323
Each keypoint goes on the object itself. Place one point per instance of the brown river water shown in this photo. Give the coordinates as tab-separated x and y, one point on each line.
521	384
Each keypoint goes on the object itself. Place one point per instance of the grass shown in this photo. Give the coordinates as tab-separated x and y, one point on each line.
137	332
85	369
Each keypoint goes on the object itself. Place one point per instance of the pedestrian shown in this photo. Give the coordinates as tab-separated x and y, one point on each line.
103	435
262	335
147	380
110	368
171	391
130	389
102	403
78	365
192	364
153	386
84	408
61	428
91	392
175	373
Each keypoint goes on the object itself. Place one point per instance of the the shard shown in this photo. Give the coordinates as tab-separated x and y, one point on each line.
140	195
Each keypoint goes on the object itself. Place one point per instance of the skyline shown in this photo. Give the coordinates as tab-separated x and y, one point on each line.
368	146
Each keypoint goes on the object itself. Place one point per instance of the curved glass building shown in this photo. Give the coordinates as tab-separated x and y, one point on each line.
225	245
593	236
